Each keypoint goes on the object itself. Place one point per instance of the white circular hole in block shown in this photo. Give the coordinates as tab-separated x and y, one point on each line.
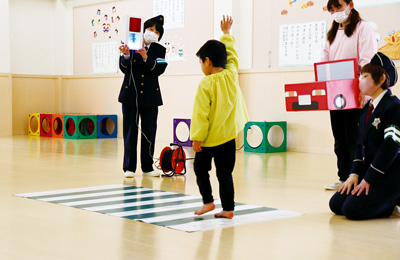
254	136
182	132
275	136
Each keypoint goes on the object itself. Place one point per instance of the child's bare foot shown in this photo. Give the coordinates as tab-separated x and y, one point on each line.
206	208
224	214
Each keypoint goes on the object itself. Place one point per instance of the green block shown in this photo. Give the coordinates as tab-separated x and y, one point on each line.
80	126
265	146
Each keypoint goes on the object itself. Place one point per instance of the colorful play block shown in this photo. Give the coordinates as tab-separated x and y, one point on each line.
265	146
335	88
107	126
57	124
34	124
80	126
45	125
177	122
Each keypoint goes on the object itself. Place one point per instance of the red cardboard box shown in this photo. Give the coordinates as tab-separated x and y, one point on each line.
335	88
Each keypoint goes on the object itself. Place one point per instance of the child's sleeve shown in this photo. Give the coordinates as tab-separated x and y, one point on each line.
157	66
358	163
200	117
125	63
233	59
388	151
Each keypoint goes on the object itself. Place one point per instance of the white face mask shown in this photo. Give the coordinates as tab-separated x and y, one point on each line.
367	85
150	36
341	17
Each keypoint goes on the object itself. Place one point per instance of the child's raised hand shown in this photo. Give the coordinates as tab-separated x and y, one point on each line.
226	24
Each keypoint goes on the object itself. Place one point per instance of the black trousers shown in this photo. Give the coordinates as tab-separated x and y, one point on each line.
345	131
380	201
148	119
224	159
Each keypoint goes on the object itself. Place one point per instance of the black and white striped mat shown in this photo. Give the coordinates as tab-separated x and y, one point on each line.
163	208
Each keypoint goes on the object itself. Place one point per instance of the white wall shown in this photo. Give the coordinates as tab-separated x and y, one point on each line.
64	38
40	37
5	38
33	40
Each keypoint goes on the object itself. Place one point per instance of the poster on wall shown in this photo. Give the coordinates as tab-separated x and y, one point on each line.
392	45
174	48
173	12
105	57
372	3
105	23
301	44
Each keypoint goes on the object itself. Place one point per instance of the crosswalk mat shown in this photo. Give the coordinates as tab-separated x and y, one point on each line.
163	208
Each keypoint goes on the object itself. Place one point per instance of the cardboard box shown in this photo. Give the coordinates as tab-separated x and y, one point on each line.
335	88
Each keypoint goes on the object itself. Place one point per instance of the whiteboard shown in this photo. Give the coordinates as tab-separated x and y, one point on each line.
187	40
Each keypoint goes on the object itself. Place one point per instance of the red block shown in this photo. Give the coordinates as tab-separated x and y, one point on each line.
45	125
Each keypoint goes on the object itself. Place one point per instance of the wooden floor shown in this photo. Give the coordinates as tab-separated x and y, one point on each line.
31	229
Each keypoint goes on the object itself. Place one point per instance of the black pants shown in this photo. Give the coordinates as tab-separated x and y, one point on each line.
345	131
380	201
224	159
148	118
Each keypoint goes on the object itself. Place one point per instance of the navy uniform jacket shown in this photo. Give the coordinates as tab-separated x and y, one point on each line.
145	75
378	147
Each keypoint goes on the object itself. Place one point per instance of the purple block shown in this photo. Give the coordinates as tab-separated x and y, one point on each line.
186	142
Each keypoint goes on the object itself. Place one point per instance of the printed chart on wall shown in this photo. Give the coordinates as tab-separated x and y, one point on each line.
105	57
301	44
174	18
173	12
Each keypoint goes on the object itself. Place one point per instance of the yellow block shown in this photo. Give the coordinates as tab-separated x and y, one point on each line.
34	124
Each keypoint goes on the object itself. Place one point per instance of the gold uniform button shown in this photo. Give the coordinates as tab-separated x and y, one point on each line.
142	84
126	86
134	60
141	92
142	76
157	89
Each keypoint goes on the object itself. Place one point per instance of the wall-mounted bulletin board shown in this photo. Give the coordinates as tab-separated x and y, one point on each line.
102	26
98	32
299	24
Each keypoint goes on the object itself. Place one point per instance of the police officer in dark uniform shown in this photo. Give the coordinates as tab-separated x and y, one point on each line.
140	96
373	187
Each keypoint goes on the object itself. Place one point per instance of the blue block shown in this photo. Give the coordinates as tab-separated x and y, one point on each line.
107	126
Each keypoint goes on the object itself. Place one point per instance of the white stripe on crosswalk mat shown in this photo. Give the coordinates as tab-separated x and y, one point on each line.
132	204
55	192
92	195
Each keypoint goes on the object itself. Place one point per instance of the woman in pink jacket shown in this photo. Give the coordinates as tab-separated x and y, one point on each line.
349	37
